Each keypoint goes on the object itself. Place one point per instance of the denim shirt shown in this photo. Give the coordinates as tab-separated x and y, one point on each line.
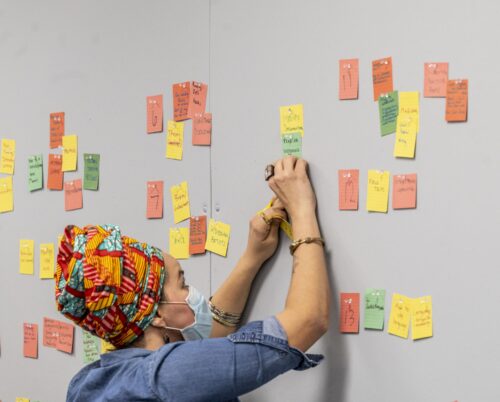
215	369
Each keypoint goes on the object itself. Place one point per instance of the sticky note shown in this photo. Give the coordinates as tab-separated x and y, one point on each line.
197	234
382	77
175	140
6	194
348	189
90	348
374	308
348	78
197	99
179	243
457	94
73	197
202	129
30	344
180	202
409	106
58	335
435	80
218	237
399	318
404	191
181	92
292	119
378	191
406	137
388	107
292	144
35	172
154	111
56	129
7	156
55	175
47	261
421	317
22	399
26	256
106	347
70	153
349	312
154	203
91	163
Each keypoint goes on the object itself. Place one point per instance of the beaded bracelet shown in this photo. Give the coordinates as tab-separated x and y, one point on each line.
306	240
219	315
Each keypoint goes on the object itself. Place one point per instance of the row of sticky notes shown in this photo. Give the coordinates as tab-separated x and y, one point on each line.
404	310
404	193
27	258
56	334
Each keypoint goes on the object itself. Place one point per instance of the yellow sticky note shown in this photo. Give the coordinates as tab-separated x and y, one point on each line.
6	194
377	198
399	319
180	202
179	243
47	261
69	152
8	156
22	400
106	346
175	139
26	256
217	237
292	119
285	226
409	106
406	137
421	317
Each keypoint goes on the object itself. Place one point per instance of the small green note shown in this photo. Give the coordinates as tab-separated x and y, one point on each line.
374	308
35	174
292	144
388	106
91	171
90	348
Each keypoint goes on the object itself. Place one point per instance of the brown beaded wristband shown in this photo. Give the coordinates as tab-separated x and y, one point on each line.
306	240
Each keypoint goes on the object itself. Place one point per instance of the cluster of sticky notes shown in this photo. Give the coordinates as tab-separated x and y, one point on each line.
27	258
292	129
58	335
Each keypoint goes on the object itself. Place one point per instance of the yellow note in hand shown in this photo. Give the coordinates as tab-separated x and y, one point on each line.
406	137
378	191
70	153
7	156
175	139
179	243
421	317
106	346
180	202
285	226
6	194
399	319
408	106
217	237
26	256
47	261
292	119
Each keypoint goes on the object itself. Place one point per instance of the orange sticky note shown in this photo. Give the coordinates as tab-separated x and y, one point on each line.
55	175
382	77
197	99
435	80
73	197
154	199
154	110
348	189
30	345
58	335
404	191
349	312
181	92
56	129
202	128
348	78
197	234
457	94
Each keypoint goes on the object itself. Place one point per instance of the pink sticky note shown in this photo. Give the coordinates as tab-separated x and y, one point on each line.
404	191
73	197
56	129
49	332
30	347
65	337
181	97
382	77
154	199
154	110
197	234
349	312
202	128
348	78
435	80
198	98
348	189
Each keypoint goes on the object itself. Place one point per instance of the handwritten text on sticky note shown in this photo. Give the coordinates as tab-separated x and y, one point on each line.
179	243
7	156
180	202
348	189
349	312
218	237
378	191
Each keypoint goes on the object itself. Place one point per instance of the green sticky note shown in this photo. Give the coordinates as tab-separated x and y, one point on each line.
388	106
35	172
90	347
374	308
292	144
91	171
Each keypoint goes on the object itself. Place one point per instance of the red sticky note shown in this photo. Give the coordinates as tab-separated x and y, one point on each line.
58	335
197	234
56	175
198	98
154	110
348	189
457	93
73	197
404	191
202	128
30	347
49	332
154	199
56	129
181	96
349	312
382	77
435	80
348	78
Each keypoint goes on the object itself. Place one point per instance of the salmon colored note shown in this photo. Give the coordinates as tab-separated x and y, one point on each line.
197	234
404	191
348	79
382	77
198	98
175	140
55	175
181	92
457	94
218	237
349	312
65	337
6	194
30	344
348	189
49	332
154	204
202	129
399	318
7	156
377	198
70	153
26	256
292	119
154	110
435	80
73	197
179	243
421	318
180	202
47	261
56	129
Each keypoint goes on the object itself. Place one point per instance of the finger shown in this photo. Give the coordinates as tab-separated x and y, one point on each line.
277	203
301	166
278	166
276	214
262	224
289	163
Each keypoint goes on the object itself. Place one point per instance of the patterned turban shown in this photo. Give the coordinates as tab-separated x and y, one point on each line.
108	284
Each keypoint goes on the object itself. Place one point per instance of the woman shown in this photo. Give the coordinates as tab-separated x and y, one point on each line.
135	297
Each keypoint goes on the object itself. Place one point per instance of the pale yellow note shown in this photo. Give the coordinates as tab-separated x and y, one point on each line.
69	152
406	137
409	106
292	119
47	261
175	139
399	319
26	256
179	243
218	237
106	346
7	156
377	199
22	399
180	202
6	194
421	317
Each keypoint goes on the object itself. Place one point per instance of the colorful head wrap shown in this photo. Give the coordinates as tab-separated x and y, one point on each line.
108	284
